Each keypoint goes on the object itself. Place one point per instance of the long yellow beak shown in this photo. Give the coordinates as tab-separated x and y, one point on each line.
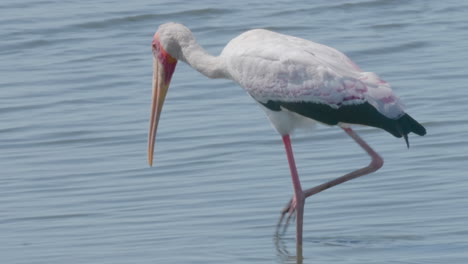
157	100
163	68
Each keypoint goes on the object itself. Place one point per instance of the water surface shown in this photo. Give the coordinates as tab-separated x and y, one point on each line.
74	106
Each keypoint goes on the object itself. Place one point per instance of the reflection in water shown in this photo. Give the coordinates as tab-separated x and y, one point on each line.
282	252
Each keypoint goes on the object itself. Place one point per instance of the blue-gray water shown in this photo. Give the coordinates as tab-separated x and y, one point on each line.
75	90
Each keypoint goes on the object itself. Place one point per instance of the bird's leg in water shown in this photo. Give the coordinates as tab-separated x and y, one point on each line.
299	197
376	163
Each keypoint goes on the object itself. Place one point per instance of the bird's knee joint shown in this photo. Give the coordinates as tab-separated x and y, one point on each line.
377	163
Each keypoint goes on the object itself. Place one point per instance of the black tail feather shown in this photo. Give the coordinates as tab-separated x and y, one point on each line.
406	124
410	125
406	139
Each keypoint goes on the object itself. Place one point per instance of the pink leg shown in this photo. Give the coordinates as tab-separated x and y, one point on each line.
298	197
376	163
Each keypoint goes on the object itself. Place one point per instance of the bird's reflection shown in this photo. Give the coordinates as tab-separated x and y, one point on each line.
282	252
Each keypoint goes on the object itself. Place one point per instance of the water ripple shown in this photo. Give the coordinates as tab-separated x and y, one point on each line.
113	22
400	48
75	95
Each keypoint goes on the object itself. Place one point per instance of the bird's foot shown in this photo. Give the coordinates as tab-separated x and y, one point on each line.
288	213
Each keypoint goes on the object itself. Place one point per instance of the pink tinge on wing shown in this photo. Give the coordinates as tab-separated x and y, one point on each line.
388	99
352	97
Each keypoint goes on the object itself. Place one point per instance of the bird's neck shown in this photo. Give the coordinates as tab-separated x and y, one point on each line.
197	58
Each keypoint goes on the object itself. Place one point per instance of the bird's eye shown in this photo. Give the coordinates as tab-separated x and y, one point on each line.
155	47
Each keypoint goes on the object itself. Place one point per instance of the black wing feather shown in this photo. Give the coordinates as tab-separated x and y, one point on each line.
363	114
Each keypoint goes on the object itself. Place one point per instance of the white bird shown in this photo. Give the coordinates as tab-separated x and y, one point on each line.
295	81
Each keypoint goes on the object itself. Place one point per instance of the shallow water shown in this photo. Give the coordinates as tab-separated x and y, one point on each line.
74	100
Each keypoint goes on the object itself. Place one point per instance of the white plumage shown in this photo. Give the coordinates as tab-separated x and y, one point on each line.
296	82
273	66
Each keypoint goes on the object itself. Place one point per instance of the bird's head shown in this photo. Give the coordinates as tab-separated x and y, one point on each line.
164	63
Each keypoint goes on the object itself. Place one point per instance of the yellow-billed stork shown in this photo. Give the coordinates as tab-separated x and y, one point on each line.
294	81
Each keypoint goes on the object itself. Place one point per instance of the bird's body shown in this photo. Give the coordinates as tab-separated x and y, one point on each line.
293	75
294	80
277	67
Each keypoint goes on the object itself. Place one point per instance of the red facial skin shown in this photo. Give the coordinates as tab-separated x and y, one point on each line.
166	60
